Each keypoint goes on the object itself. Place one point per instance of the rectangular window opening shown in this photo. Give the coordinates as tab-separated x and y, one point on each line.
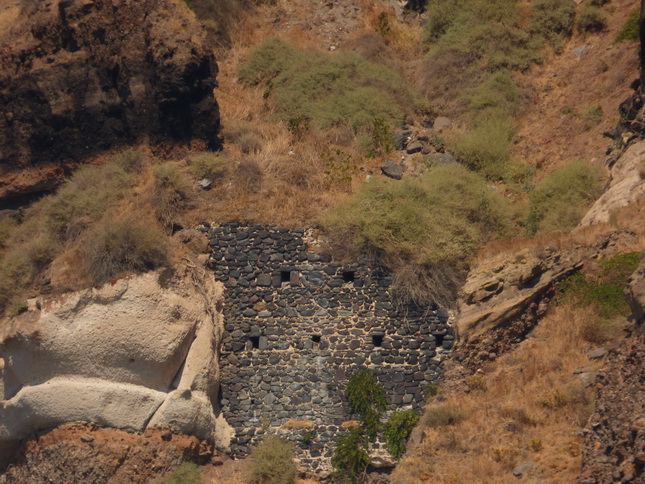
255	342
439	339
377	339
285	276
315	338
348	276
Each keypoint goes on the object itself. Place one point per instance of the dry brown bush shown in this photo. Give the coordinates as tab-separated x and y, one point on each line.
129	245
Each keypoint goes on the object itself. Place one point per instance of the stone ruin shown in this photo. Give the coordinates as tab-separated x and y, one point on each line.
298	325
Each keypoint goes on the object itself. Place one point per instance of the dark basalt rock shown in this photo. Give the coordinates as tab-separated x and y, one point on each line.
78	77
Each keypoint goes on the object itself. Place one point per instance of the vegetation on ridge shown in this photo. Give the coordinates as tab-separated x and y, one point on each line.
341	89
422	228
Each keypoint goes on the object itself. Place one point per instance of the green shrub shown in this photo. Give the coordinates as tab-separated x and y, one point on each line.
498	91
416	225
485	148
350	459
591	19
49	223
553	18
560	200
341	89
430	391
604	290
185	473
83	199
631	29
443	415
115	247
592	117
397	430
366	398
272	462
340	168
440	17
381	139
213	166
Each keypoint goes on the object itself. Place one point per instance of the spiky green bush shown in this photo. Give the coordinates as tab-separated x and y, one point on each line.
553	18
341	89
591	19
561	199
415	226
442	415
59	218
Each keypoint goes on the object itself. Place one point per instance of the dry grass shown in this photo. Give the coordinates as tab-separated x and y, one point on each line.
528	406
630	218
295	424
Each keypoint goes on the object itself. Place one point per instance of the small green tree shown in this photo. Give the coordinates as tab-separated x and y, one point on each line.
397	430
350	456
366	398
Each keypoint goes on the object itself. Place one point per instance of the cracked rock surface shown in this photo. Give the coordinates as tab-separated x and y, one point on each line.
141	352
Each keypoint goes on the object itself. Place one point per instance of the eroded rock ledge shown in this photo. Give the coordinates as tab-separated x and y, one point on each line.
139	353
78	77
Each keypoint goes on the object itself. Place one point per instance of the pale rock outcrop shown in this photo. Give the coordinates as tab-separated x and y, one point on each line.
626	186
141	352
499	290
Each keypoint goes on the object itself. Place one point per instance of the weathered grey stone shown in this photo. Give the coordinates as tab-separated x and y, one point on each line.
413	147
441	123
392	170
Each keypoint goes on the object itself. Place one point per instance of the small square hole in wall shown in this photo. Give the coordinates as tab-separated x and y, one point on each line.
377	339
348	276
439	339
285	276
255	342
315	338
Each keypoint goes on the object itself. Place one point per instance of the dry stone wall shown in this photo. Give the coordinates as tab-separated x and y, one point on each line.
298	325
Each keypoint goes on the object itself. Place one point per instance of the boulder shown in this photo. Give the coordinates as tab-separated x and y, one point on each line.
440	159
441	123
627	184
138	353
392	170
401	139
414	147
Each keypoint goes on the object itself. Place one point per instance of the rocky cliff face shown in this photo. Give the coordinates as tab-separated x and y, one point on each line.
80	76
139	353
614	449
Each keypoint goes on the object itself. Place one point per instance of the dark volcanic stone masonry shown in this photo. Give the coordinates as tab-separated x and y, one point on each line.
298	325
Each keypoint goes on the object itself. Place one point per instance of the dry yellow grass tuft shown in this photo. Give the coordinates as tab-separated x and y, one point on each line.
528	406
294	424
